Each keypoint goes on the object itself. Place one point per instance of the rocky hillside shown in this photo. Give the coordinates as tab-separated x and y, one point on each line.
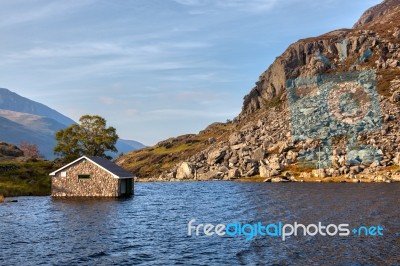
260	141
150	163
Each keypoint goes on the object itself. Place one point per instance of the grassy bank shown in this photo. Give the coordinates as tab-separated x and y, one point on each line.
25	178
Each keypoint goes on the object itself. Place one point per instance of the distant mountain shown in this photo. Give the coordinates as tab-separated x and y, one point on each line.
124	146
24	120
14	102
35	123
129	145
15	133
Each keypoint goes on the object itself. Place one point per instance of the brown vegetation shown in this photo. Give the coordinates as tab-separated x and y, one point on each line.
163	156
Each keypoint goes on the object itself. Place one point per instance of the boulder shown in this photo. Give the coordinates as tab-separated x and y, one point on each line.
237	146
202	177
396	34
354	161
335	162
216	175
264	171
342	161
274	172
244	151
279	180
210	175
234	160
279	147
396	158
185	171
215	157
355	170
392	62
305	175
266	143
233	173
375	164
251	172
318	173
258	154
227	156
291	155
275	165
343	170
380	62
170	175
395	97
338	152
379	178
396	178
235	138
223	169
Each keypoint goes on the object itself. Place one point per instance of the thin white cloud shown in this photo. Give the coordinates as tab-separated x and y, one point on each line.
190	2
107	100
94	49
214	76
38	11
252	5
185	113
131	112
240	5
77	60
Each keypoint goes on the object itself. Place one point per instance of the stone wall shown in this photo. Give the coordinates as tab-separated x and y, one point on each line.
100	184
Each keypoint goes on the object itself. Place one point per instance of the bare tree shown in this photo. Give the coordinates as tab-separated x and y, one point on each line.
29	150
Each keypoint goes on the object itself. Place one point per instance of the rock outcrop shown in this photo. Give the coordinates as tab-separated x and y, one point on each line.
378	13
9	150
378	30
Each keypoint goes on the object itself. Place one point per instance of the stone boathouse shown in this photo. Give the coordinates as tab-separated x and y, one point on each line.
91	176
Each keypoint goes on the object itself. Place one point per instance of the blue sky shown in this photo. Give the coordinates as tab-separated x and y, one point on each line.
154	68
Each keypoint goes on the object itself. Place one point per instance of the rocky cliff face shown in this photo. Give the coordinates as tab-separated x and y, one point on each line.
260	141
378	29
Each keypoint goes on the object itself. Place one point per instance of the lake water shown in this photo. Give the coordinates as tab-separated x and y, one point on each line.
151	228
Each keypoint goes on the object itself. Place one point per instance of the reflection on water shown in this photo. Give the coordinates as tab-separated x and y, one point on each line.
151	227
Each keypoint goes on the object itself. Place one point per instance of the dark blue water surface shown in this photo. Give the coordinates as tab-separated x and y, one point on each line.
151	227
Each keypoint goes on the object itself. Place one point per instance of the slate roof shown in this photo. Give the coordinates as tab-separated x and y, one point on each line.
110	166
107	165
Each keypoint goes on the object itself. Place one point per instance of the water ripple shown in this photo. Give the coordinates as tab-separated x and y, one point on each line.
151	228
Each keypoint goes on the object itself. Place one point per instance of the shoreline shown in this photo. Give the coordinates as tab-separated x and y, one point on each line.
279	179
